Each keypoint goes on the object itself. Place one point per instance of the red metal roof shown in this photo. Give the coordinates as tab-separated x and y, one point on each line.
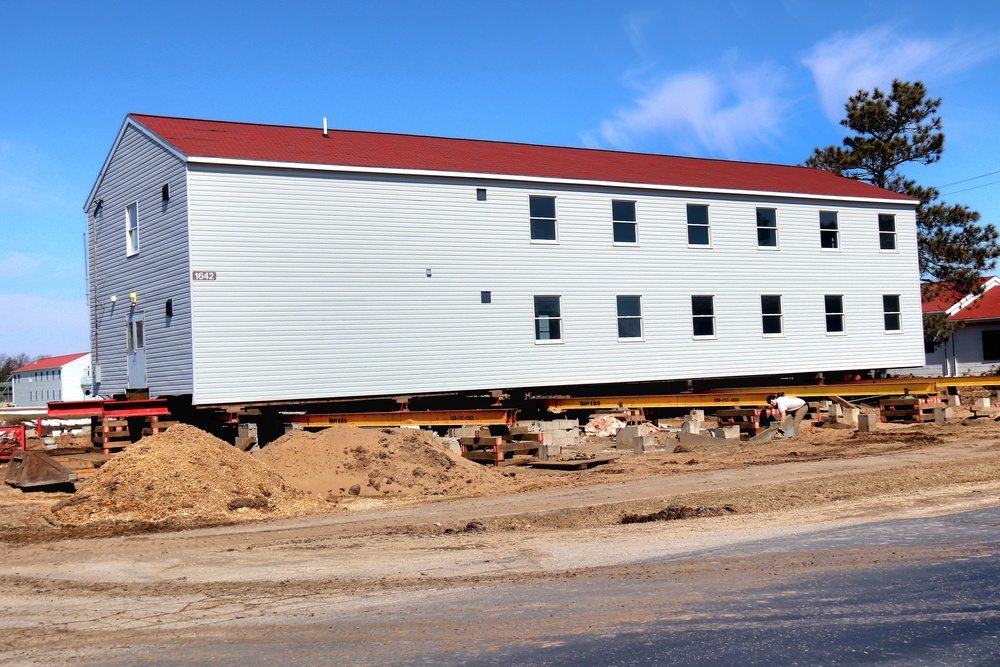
941	300
986	307
306	145
50	362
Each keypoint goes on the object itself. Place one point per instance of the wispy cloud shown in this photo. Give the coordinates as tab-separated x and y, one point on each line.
713	112
845	63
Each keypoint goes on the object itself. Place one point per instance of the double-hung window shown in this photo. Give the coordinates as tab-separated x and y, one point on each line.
891	313
543	218
886	231
548	319
834	306
770	314
767	228
703	316
132	228
623	221
630	317
829	230
699	232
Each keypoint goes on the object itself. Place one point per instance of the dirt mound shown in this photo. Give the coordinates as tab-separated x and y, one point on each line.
183	477
345	461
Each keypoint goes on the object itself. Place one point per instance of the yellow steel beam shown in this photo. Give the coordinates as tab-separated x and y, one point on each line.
970	381
403	418
747	396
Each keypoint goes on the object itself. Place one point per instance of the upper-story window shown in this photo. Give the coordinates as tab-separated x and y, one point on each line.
623	221
543	218
630	317
132	228
698	227
834	306
829	230
767	228
548	319
886	231
770	314
891	314
703	316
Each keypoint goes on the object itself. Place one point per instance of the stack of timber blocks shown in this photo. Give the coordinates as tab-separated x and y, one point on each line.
911	408
109	433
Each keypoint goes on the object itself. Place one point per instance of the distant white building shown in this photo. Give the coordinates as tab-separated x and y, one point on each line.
64	378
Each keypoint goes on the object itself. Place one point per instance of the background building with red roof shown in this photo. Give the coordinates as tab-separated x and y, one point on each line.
62	378
973	348
234	263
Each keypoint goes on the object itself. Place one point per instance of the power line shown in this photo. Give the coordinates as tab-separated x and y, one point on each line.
974	187
966	180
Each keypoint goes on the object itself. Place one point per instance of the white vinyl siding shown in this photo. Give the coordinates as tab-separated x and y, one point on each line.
136	172
333	267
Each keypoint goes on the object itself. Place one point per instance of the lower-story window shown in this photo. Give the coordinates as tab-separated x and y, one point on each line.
548	318
703	316
770	314
891	313
630	317
834	305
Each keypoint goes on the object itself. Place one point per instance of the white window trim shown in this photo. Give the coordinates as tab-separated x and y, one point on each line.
634	223
555	221
780	316
895	235
129	250
715	323
562	329
687	227
843	315
899	313
642	325
777	236
840	238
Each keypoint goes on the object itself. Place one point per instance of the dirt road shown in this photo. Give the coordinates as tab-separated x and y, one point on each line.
67	600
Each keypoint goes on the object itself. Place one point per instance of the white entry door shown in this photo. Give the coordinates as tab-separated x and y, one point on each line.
136	347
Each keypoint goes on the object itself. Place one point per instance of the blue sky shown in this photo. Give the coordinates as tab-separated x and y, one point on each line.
756	81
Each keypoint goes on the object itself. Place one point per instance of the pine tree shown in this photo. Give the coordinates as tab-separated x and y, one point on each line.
900	128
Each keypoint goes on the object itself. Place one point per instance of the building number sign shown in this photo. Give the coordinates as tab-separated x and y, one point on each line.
203	275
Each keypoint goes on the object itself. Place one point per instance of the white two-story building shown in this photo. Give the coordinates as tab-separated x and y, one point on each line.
239	263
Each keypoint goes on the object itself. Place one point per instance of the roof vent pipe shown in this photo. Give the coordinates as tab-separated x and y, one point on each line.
326	132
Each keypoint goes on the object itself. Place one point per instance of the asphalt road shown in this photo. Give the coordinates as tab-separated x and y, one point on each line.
907	592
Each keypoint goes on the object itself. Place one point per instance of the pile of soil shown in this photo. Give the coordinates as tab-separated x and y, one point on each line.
183	477
345	461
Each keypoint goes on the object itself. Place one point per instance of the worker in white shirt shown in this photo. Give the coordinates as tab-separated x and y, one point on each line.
791	411
785	405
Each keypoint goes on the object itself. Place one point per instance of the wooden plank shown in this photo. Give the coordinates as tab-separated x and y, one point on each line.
573	464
